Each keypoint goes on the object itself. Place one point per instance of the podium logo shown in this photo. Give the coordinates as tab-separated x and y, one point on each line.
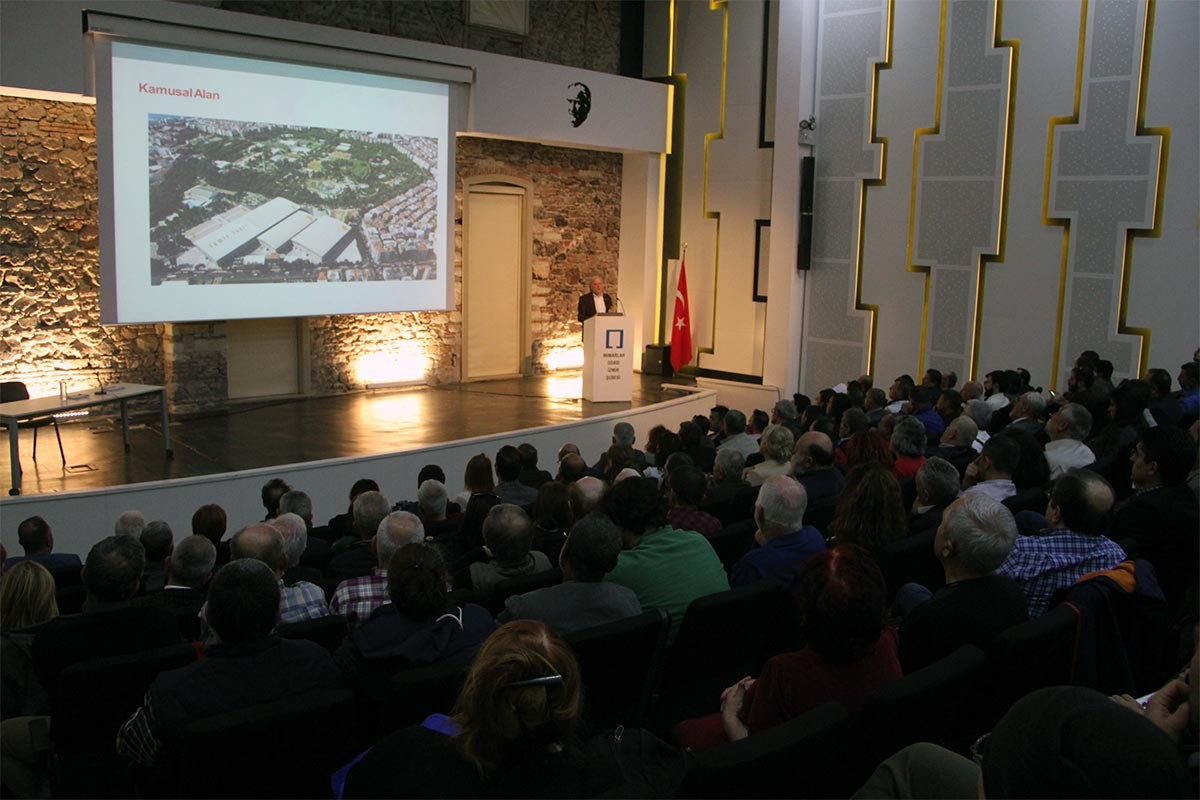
614	339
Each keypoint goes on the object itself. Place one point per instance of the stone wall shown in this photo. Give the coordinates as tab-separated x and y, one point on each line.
49	300
49	256
575	34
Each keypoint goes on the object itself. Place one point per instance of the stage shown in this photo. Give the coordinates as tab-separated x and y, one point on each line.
265	433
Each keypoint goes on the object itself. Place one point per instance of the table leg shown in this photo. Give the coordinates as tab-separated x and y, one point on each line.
125	423
14	453
166	423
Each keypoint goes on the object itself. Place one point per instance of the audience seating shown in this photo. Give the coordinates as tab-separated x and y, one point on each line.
414	694
93	699
923	706
734	541
66	576
910	560
70	599
735	509
326	631
800	758
520	585
287	748
1032	499
620	662
723	637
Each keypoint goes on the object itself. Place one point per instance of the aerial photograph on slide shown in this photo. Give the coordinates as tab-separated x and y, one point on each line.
254	202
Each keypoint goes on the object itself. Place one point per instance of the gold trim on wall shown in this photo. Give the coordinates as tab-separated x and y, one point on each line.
713	5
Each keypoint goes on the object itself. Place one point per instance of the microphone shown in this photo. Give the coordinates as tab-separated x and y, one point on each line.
99	383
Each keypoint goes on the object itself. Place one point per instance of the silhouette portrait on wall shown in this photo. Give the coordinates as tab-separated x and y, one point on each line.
580	105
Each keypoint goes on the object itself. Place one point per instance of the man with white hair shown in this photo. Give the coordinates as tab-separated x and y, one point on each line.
1027	412
432	502
736	437
130	523
357	598
976	535
1068	429
294	532
784	541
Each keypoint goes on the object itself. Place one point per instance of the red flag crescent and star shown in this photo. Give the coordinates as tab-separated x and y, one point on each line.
681	323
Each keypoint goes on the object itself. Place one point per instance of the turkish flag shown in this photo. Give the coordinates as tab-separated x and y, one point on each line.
681	324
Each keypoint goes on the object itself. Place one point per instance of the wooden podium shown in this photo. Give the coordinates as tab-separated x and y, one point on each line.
608	359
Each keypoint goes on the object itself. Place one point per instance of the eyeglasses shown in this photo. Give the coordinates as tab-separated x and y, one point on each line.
546	680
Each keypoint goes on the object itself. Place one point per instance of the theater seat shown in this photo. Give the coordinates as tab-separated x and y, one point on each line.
327	631
520	584
14	391
414	694
619	662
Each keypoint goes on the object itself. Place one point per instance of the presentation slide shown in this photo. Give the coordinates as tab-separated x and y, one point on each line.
246	188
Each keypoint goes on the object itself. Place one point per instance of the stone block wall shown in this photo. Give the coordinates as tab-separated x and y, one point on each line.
49	257
49	270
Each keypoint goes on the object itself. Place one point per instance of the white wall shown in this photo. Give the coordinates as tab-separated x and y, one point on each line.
80	519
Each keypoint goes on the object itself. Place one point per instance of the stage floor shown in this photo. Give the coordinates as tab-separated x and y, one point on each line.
288	431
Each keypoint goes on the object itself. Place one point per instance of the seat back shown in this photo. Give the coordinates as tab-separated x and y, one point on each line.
733	541
328	631
93	698
910	560
414	694
287	748
797	758
737	508
619	662
723	637
510	587
12	391
70	599
923	706
67	575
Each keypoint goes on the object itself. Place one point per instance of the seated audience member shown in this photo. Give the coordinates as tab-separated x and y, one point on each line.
352	554
716	424
508	542
975	537
300	601
1032	470
516	732
129	523
981	413
812	465
585	495
508	469
853	421
972	390
996	390
272	490
418	627
875	405
908	448
932	379
342	525
693	442
109	624
736	437
1163	406
357	598
583	600
898	394
665	567
1159	522
624	435
991	473
618	457
1027	413
1061	741
949	405
776	450
867	446
726	477
688	485
956	445
571	468
1188	395
921	407
1067	429
666	445
467	547
477	479
869	512
783	541
652	444
552	519
294	533
298	503
757	423
245	666
531	475
949	379
210	522
937	487
848	653
37	540
1111	445
784	413
1069	541
433	503
189	568
26	605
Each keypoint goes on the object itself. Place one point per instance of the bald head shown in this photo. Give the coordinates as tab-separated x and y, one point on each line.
1081	500
396	530
813	451
260	542
972	390
960	432
585	495
294	531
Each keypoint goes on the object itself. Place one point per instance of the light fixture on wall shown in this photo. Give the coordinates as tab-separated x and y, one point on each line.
403	364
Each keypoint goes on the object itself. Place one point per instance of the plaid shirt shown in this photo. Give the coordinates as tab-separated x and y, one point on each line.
690	518
356	598
1054	560
300	601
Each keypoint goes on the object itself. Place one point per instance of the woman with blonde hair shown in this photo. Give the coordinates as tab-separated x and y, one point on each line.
515	732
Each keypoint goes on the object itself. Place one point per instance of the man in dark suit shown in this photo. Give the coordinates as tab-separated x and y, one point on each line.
189	568
595	302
